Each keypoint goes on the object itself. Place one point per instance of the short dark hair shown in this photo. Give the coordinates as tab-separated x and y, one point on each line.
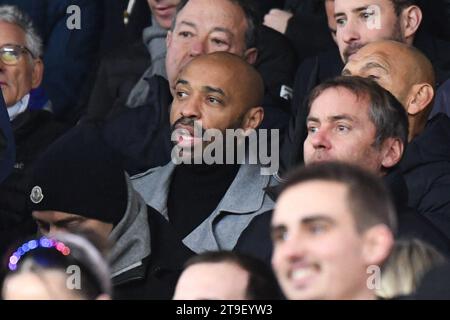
368	198
385	111
262	284
251	15
400	5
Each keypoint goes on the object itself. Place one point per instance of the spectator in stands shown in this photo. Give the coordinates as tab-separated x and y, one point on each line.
21	70
354	120
398	20
225	275
79	184
142	135
407	264
211	213
402	70
120	71
331	223
63	267
408	75
69	52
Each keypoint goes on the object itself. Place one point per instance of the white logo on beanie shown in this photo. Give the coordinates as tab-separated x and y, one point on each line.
36	195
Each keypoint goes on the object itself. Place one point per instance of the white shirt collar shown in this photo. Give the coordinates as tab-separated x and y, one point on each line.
18	108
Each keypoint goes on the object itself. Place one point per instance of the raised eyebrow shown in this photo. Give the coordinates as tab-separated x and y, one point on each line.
181	81
312	119
68	220
359	9
341	117
371	65
210	89
189	24
356	10
317	218
224	30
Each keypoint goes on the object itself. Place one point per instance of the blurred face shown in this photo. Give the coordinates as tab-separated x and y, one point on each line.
386	64
205	26
361	22
47	285
339	129
16	81
318	253
209	94
163	11
212	281
51	222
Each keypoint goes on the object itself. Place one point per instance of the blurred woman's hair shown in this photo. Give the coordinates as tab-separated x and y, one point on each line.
408	262
68	254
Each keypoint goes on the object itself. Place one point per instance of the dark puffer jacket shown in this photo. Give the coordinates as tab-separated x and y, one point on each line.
426	169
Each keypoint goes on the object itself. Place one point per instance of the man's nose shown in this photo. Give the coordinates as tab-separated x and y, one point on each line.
191	107
320	139
198	47
293	248
349	32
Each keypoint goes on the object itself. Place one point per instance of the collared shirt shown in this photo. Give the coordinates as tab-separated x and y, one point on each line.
18	108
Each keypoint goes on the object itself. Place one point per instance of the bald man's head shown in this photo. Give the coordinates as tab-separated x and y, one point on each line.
244	81
401	69
395	66
221	90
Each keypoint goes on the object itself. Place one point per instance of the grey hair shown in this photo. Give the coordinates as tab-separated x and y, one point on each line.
14	15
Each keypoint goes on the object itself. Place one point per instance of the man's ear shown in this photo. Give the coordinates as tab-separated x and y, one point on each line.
411	18
251	55
37	73
253	118
168	38
421	96
377	244
392	152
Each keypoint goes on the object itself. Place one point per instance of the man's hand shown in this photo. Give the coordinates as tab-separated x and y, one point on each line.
277	19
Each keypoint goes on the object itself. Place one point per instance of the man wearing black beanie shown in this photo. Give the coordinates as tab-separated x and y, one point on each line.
79	184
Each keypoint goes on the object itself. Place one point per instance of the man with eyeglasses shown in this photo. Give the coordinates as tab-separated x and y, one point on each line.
21	70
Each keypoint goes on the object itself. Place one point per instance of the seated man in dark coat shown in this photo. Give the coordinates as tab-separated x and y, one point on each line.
69	52
408	75
21	70
142	134
354	120
210	200
356	28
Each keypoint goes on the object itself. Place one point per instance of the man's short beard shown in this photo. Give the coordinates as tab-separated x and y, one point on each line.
397	35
